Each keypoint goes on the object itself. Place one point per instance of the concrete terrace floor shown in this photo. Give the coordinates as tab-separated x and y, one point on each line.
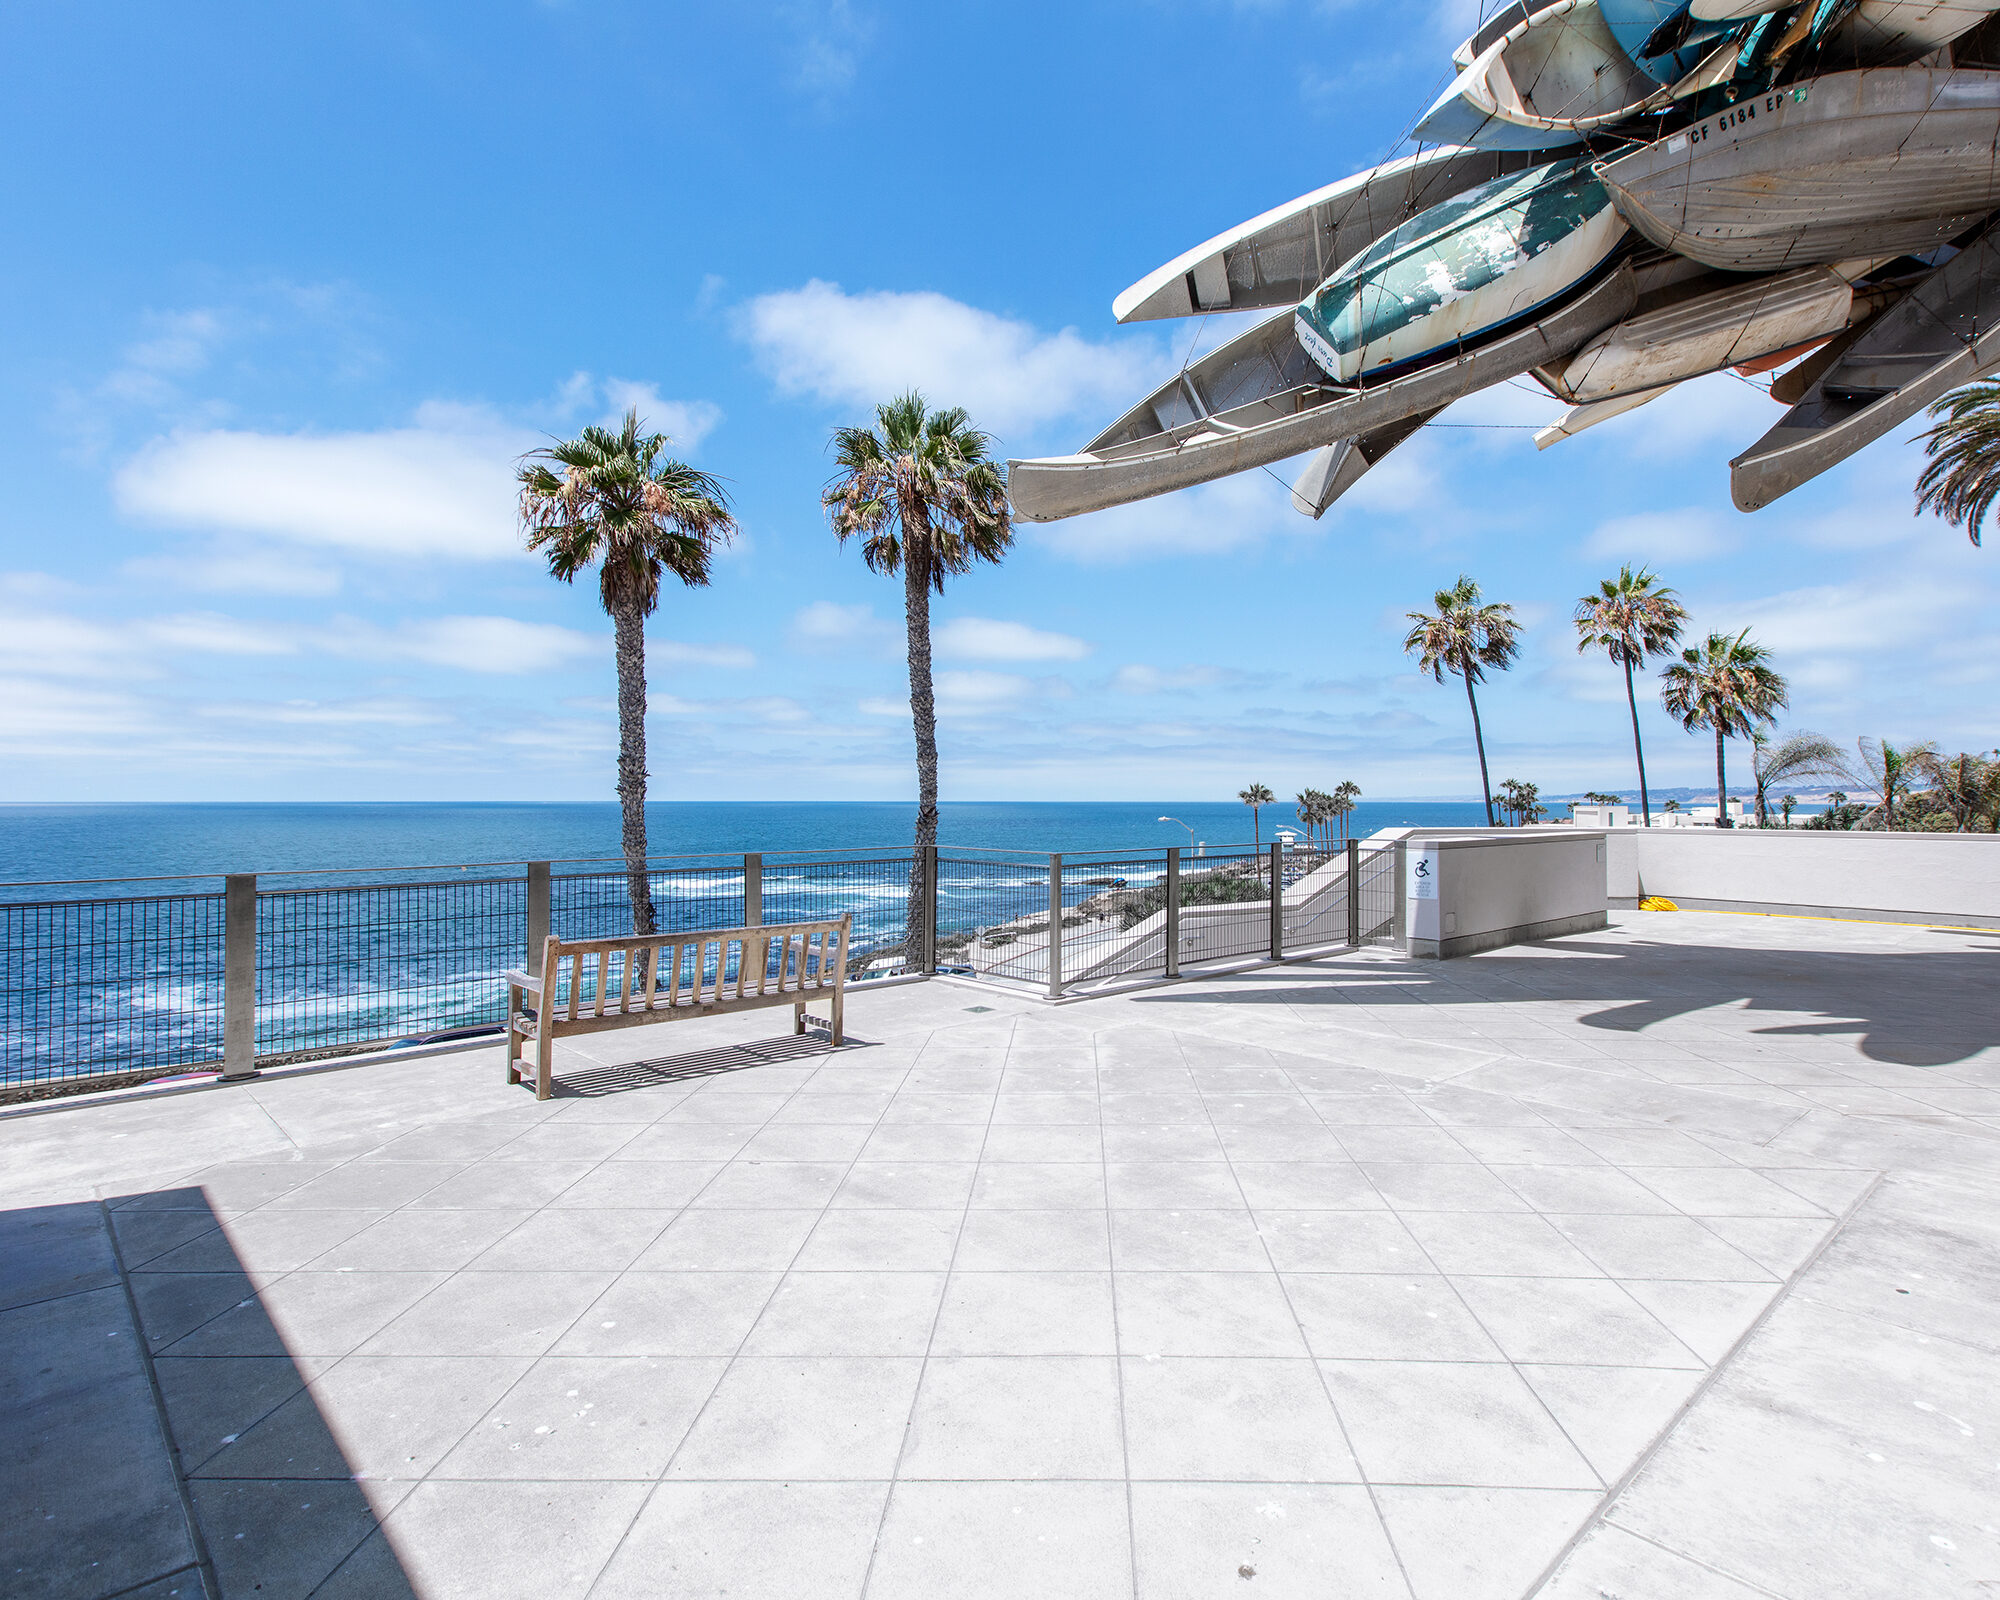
1653	1264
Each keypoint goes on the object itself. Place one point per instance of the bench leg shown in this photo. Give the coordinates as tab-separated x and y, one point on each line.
839	1015
515	1037
545	1053
799	1017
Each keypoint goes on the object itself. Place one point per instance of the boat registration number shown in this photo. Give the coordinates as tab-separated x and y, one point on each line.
1735	117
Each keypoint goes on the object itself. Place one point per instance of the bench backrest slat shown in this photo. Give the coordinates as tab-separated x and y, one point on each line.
626	974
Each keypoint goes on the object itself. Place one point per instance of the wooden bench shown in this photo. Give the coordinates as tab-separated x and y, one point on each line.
587	985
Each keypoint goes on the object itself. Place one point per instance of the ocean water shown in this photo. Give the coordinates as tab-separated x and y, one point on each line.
70	842
356	944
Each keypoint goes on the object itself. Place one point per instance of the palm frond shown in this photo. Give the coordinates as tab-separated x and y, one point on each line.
1961	483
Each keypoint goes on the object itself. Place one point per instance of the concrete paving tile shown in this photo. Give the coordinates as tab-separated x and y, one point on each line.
1004	1541
1590	1191
586	1241
1781	1245
1482	1544
1186	1241
1010	1109
266	1243
1651	1147
703	1141
1527	1147
387	1418
282	1538
500	1185
1026	1314
488	1314
881	1241
1428	1143
1611	1561
1034	1241
1462	1424
723	1541
1659	1247
307	1314
182	1585
172	1304
848	1314
1232	1421
1015	1417
786	1418
668	1314
1612	1414
1152	1107
912	1185
577	1417
1725	1192
1307	1186
212	1401
142	1235
732	1108
233	1186
641	1186
1511	1244
1709	1318
1831	1191
1379	1317
1588	1320
1044	1141
367	1185
571	1139
920	1141
1173	1186
1161	1141
913	1105
491	1541
1373	1109
1294	1541
47	1251
847	1106
1340	1241
1299	1141
1038	1186
779	1185
1442	1186
1206	1314
415	1241
709	1241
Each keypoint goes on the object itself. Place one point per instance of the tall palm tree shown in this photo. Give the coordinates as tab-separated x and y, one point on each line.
1345	793
1962	481
1465	638
1887	771
922	494
1256	797
1632	618
1967	786
615	500
1310	804
1727	684
1798	755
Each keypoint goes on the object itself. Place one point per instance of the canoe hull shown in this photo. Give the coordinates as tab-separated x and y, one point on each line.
1879	162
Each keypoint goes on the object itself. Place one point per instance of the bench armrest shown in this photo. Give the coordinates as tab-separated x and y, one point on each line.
517	979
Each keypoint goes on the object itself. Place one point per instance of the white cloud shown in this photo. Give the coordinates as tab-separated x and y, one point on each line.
829	37
986	639
861	349
826	627
775	709
1139	679
685	422
466	644
678	652
1662	538
244	570
876	705
964	691
1209	519
315	713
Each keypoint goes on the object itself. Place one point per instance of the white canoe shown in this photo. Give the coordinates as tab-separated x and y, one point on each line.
1879	162
1553	76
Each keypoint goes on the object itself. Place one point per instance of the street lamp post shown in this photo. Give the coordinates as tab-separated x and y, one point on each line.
1176	821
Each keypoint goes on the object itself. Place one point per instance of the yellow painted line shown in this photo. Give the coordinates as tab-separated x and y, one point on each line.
1863	922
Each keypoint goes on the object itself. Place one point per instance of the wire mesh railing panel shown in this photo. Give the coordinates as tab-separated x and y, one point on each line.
875	891
989	911
1225	906
1377	893
1316	895
384	961
1114	919
598	905
109	986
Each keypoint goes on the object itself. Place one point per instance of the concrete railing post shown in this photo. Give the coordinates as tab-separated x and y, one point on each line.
1173	911
239	975
538	915
753	891
1055	927
1277	902
1353	893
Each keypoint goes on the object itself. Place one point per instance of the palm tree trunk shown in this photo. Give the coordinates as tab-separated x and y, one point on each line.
1479	741
923	719
1632	700
1721	786
629	634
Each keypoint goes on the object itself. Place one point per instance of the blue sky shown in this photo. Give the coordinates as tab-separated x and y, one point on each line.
288	289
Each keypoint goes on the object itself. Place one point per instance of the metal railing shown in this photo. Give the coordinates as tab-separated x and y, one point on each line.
293	964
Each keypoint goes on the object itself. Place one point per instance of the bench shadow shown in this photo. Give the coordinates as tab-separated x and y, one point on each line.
171	1437
591	1083
1917	1008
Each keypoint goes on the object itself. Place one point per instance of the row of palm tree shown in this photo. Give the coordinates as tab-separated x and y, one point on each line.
1321	812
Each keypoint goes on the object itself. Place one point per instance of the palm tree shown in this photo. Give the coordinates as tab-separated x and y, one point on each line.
1345	793
1726	684
1788	803
1967	786
617	501
1256	797
921	492
1310	805
1632	618
1887	771
1798	755
1465	638
1962	481
1671	806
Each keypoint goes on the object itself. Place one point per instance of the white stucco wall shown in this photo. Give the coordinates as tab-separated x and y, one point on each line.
1503	885
1914	877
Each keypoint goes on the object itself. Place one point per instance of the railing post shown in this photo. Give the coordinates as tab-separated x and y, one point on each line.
239	975
1173	911
930	929
1399	923
538	915
1277	901
1353	893
753	890
1055	927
